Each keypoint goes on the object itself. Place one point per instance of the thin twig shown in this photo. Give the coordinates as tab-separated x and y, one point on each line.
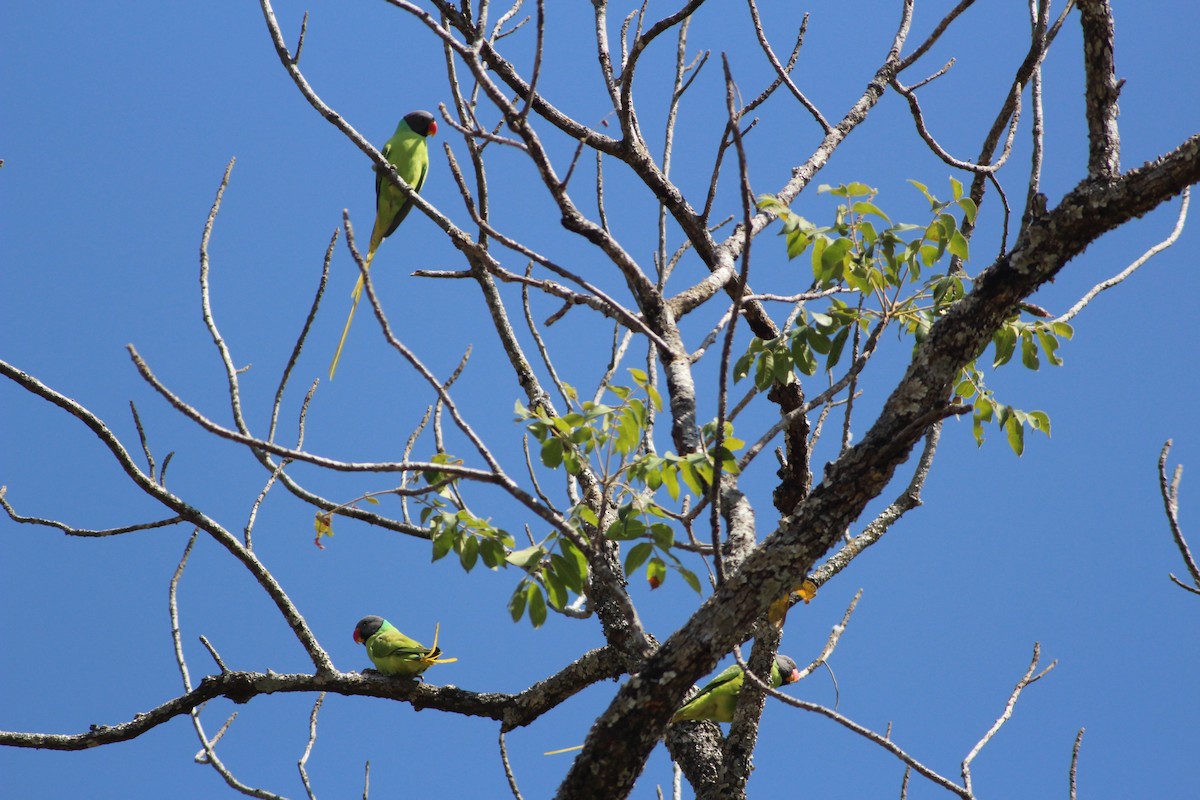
1146	256
312	738
508	771
1074	764
1028	678
1170	494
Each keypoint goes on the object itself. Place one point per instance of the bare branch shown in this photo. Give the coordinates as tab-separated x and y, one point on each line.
979	169
189	513
782	71
1028	678
1074	764
508	772
1039	11
941	27
1170	493
1137	264
1104	141
312	739
72	531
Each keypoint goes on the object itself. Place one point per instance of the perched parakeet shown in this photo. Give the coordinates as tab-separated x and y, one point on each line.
409	154
392	652
718	699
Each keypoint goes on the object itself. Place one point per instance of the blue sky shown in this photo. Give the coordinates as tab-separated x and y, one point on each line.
117	125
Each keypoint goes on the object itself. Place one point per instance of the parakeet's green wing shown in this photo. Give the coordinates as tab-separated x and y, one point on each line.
718	699
381	179
390	643
733	673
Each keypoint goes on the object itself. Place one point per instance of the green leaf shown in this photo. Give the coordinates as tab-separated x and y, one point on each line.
930	255
492	553
690	477
670	477
552	452
537	605
1029	353
956	188
741	367
690	578
587	515
656	572
764	371
655	397
769	202
933	203
835	349
564	572
819	245
969	209
821	320
958	246
1016	434
984	410
1049	346
516	603
626	527
637	556
817	341
834	256
803	357
1063	329
556	592
468	553
577	562
797	242
526	557
443	542
1005	341
1040	420
864	208
663	535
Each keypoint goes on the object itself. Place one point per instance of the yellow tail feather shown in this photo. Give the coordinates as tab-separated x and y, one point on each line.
564	750
355	295
430	657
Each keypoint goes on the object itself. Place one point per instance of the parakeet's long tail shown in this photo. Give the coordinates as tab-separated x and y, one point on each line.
355	295
434	654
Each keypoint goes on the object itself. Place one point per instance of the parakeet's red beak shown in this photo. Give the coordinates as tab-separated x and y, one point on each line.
795	676
357	637
432	128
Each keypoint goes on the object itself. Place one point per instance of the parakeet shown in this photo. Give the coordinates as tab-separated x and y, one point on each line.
392	652
718	699
409	154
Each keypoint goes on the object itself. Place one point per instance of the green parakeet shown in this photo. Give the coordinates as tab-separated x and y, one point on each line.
718	699
392	652
408	152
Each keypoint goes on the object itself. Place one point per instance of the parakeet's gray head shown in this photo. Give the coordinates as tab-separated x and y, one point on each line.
787	668
368	627
421	122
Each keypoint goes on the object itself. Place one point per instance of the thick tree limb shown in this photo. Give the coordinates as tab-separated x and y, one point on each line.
1104	142
623	736
511	710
